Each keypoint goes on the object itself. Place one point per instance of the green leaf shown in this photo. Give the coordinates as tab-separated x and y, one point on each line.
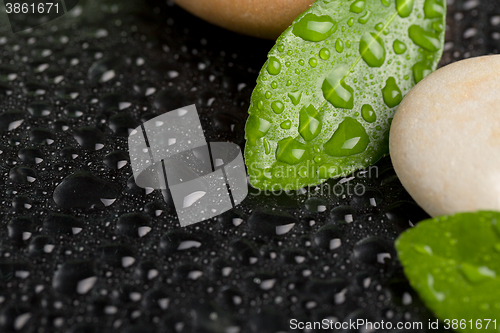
453	262
326	96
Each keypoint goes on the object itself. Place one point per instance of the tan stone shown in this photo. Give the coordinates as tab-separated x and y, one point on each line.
445	138
259	18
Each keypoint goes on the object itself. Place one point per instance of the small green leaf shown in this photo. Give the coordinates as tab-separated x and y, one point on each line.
325	97
453	262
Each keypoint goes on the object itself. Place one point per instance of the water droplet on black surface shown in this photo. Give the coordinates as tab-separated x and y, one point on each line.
74	277
116	255
170	99
11	120
293	256
41	136
104	70
116	160
62	224
154	209
155	300
144	88
60	126
130	225
405	214
369	198
35	89
90	138
20	228
230	219
54	75
122	124
401	291
9	269
69	153
39	109
14	141
210	318
187	272
132	187
74	111
374	251
179	240
114	101
68	92
41	245
244	251
146	270
329	237
316	205
8	73
22	175
21	202
14	318
325	290
220	268
230	296
271	223
5	89
342	214
83	190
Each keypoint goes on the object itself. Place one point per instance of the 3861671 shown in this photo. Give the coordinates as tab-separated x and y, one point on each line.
470	324
26	8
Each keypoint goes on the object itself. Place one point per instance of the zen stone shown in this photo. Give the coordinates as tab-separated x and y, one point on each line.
259	18
445	138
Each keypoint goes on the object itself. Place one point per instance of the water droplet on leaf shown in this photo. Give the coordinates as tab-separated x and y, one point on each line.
391	93
290	151
314	28
309	123
368	113
423	38
336	91
274	66
350	138
404	7
399	47
372	49
357	6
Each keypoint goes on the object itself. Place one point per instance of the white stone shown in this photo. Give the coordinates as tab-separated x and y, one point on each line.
445	138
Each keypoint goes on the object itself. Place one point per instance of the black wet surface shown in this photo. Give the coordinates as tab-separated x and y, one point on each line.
83	249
